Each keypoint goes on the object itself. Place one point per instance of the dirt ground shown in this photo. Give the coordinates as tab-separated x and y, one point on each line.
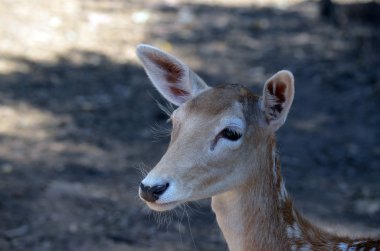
77	112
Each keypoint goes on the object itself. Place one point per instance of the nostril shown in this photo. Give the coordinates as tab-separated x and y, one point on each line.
152	194
143	187
160	189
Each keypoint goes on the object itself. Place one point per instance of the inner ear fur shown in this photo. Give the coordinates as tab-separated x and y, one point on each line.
277	99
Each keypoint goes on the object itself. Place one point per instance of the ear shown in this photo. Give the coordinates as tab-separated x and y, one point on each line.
278	96
172	78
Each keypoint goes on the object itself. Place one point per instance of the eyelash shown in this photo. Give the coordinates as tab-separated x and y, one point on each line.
230	134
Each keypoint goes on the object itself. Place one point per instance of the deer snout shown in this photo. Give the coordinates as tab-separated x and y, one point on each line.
152	193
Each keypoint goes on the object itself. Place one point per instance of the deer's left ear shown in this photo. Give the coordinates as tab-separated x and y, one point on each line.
277	98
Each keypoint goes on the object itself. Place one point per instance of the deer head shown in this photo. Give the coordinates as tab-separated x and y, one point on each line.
219	134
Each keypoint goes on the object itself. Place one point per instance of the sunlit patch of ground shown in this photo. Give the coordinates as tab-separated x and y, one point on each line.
25	122
39	30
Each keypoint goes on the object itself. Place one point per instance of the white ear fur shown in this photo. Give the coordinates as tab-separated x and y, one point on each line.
172	78
278	96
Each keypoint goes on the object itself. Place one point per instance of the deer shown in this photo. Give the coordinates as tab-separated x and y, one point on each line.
223	147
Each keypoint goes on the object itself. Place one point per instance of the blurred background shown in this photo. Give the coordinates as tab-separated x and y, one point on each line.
77	111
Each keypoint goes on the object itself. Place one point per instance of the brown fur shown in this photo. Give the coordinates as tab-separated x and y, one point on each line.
212	103
175	90
173	73
279	92
287	212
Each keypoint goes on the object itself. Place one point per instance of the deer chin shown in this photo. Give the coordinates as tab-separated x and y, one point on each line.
163	206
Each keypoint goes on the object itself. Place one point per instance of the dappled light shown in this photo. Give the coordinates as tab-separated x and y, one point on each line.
77	111
25	122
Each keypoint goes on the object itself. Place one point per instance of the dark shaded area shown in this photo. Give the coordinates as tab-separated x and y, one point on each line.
96	93
78	190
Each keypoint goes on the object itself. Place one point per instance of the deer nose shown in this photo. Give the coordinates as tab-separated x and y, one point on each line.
151	194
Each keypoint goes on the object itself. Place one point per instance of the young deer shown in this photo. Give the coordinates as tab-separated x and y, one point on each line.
223	146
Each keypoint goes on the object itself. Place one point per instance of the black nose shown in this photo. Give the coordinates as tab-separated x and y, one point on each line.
152	194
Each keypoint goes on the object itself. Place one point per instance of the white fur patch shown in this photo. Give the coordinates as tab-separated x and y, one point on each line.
342	246
283	192
357	242
150	180
297	231
306	247
294	231
293	248
274	165
289	231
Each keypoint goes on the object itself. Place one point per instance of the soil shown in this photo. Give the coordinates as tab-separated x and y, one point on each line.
77	112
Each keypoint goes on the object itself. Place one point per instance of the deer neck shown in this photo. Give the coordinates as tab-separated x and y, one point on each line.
259	215
250	216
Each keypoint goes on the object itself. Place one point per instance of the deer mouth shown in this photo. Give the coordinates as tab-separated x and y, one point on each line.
163	206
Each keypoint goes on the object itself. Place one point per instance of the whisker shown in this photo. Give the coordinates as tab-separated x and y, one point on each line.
160	131
167	107
195	207
191	233
142	168
180	226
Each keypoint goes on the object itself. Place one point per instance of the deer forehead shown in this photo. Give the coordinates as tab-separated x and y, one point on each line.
224	103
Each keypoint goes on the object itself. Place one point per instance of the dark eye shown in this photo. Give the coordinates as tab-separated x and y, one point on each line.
230	134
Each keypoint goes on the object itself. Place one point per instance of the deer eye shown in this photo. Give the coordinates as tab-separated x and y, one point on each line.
230	134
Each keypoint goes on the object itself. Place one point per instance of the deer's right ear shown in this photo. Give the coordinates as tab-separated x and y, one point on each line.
172	78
